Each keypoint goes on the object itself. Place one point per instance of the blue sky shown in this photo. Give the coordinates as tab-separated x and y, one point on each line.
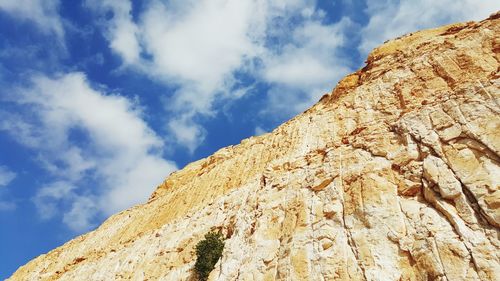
100	100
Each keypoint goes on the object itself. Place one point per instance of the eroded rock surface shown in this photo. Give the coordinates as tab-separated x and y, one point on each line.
393	176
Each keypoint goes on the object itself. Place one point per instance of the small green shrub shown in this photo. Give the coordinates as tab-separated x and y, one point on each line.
208	252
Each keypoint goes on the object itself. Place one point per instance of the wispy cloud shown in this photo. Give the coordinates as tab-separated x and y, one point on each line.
306	67
79	211
50	196
121	32
102	155
393	18
259	131
43	13
6	176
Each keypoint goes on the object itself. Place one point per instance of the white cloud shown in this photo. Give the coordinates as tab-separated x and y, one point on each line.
80	216
306	67
186	131
121	31
79	211
115	151
49	197
6	176
193	45
390	18
44	13
309	59
260	131
198	46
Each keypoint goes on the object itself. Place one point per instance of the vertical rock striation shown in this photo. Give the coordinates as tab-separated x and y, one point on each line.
393	176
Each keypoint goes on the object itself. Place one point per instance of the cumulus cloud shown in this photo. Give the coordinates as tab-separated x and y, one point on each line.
393	18
199	41
196	45
44	13
102	154
199	46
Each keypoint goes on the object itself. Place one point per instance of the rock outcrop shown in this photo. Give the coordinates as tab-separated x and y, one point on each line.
393	176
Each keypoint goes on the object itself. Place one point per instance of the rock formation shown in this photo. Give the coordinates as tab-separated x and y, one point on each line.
393	176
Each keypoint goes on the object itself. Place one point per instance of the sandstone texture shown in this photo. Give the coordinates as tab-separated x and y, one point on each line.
393	176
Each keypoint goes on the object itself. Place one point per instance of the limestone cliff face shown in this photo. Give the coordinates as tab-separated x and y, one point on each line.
393	176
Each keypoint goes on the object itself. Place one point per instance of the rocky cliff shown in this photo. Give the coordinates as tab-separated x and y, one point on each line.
393	176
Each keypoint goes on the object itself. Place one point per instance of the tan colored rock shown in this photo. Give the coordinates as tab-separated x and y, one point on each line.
393	176
436	171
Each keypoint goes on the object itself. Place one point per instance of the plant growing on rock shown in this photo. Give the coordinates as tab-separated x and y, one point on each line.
208	252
